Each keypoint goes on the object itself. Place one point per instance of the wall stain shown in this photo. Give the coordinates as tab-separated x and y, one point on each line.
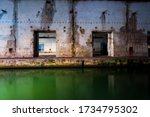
73	26
11	42
89	42
130	36
103	19
133	22
82	30
82	51
11	46
48	13
38	14
3	12
128	33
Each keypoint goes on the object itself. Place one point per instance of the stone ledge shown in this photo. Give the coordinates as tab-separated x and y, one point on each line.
74	62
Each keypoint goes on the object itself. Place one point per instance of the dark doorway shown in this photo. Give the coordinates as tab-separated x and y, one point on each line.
148	42
130	51
44	43
100	40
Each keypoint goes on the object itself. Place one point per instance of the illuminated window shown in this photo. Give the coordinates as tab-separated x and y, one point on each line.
41	47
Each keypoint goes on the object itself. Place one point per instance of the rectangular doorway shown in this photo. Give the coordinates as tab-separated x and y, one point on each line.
100	40
130	51
148	42
44	43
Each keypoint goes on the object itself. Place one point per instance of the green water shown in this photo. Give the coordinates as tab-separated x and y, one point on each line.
43	84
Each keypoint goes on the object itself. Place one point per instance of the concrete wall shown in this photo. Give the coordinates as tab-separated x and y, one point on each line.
32	15
37	18
6	17
74	22
111	16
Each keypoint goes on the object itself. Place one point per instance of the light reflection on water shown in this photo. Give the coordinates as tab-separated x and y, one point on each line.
75	84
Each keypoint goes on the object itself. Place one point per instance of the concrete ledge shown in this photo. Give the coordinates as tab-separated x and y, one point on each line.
74	62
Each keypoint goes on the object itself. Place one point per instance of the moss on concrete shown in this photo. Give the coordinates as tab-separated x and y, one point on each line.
74	62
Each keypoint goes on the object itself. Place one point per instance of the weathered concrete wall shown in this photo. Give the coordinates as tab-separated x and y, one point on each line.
34	15
74	21
96	16
134	32
41	15
6	37
129	26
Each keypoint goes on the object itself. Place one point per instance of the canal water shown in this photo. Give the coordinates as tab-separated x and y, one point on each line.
62	84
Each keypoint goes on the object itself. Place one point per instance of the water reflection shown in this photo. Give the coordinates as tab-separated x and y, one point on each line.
111	85
75	84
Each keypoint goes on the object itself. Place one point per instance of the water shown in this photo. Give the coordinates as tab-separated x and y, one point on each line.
45	84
